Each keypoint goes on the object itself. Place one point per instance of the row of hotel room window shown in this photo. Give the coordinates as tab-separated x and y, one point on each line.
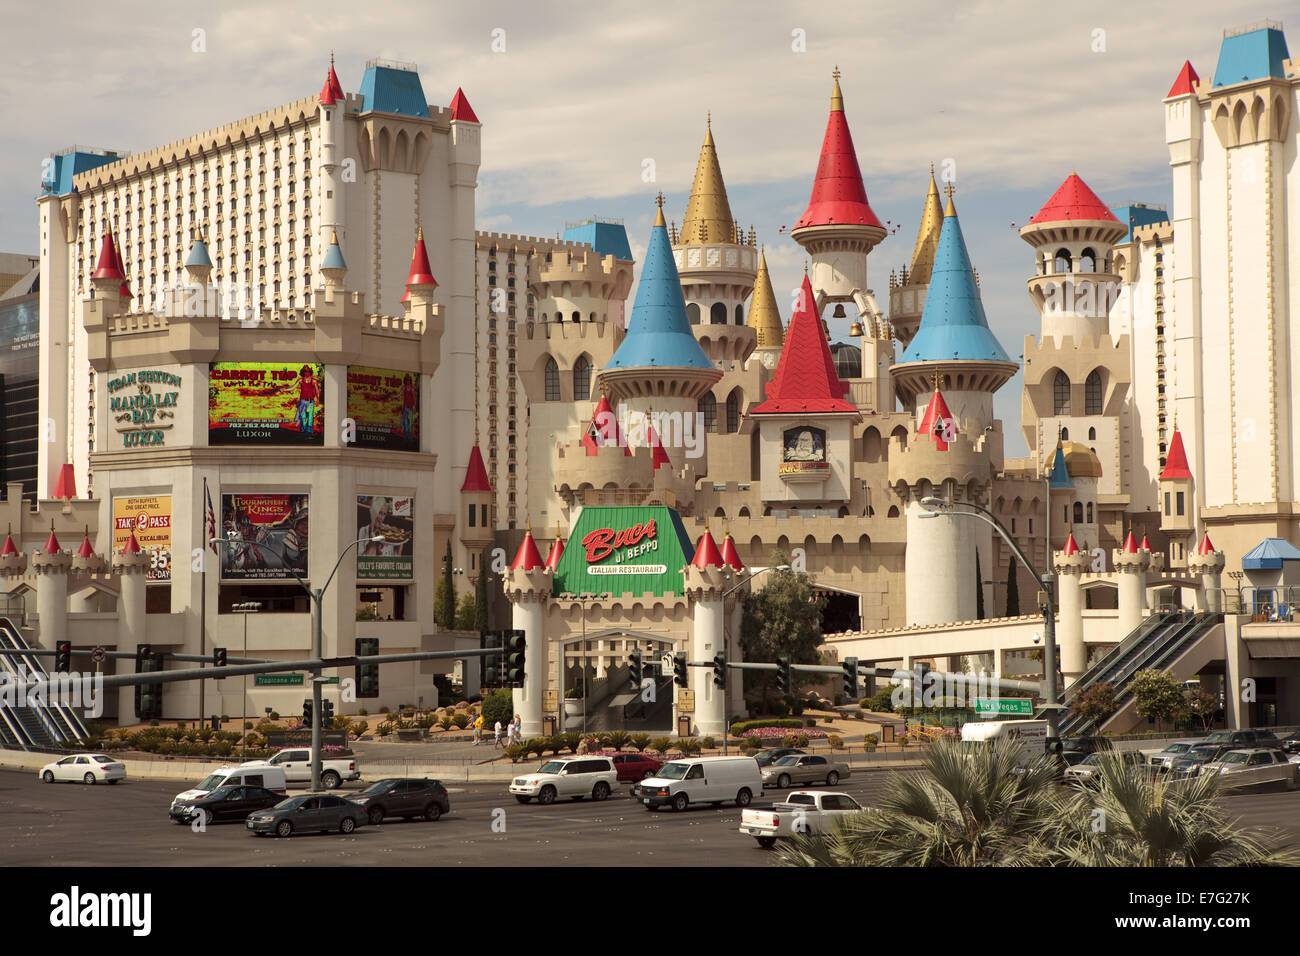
373	602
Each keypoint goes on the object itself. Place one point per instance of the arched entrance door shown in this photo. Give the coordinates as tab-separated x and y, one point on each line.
598	690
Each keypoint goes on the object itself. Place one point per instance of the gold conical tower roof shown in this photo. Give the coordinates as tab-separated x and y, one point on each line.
927	236
708	214
763	316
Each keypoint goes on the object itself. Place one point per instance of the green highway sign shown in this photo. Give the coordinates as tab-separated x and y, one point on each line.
1013	706
277	680
331	680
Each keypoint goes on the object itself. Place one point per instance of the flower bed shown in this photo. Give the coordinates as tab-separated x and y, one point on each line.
766	733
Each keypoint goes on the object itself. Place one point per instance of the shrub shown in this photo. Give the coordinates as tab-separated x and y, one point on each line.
154	722
555	744
828	720
385	728
205	734
796	708
881	701
788	741
363	712
536	745
427	721
445	723
835	741
572	740
359	729
275	715
801	740
619	739
225	719
812	721
871	740
516	752
248	725
498	705
688	746
341	723
461	721
384	709
708	743
640	742
660	745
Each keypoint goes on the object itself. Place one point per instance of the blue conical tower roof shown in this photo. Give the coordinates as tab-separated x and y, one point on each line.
659	334
1060	480
198	254
953	325
334	255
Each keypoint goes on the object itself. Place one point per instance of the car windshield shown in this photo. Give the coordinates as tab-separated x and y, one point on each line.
102	758
1201	754
379	786
673	771
211	781
288	804
1178	748
1219	737
789	760
1074	743
1235	758
221	793
552	766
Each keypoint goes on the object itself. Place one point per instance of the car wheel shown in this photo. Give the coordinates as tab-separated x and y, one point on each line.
89	779
283	828
48	776
766	842
347	825
376	815
432	812
832	779
600	791
743	798
680	801
523	799
783	781
330	780
547	796
205	817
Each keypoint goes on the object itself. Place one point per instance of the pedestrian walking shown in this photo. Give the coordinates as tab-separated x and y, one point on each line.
478	729
510	734
496	734
519	728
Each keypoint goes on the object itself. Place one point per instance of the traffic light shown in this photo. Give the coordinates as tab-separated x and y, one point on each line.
306	712
783	684
491	641
326	714
680	677
62	657
720	671
850	665
516	645
367	675
148	697
218	657
635	668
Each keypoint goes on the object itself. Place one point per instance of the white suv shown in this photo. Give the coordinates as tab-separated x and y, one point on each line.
574	777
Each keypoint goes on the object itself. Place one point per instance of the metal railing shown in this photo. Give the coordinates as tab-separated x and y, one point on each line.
1279	605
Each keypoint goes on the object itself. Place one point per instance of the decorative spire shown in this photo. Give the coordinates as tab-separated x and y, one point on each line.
763	315
805	378
1071	546
476	478
420	276
132	546
949	209
838	195
1176	466
52	542
557	550
937	422
527	558
659	213
9	547
837	98
730	556
707	554
106	267
461	111
927	236
708	213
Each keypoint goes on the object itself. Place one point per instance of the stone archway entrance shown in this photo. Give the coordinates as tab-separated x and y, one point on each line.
596	666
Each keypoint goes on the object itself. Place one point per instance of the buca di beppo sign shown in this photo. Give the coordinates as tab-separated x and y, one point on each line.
624	551
143	405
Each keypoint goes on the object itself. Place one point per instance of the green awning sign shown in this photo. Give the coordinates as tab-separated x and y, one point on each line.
624	550
1011	706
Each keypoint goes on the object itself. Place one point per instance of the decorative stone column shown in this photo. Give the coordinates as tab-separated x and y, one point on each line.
1131	572
1208	563
1070	564
704	588
51	566
529	591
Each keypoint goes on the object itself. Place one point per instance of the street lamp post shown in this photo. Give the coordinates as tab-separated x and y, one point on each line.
245	609
934	507
726	731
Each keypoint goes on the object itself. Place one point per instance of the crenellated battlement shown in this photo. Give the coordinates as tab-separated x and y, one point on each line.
1164	231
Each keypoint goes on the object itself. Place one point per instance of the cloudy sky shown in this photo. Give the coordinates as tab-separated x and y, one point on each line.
578	100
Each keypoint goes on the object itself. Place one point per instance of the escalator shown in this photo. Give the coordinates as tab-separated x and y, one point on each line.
48	725
1156	644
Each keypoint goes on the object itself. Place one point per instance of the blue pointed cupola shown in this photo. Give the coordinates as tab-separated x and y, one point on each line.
334	255
1060	479
953	325
198	255
659	334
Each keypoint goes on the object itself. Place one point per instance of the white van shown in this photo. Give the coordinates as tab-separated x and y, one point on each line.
271	778
715	780
1032	735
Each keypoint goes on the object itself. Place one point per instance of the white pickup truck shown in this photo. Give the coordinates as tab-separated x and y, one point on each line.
296	763
803	812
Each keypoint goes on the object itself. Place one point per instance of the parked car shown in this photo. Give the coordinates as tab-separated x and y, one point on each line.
1081	774
1085	745
1165	759
714	780
272	778
1242	738
573	777
1252	768
87	768
1291	744
1190	763
804	768
634	767
224	803
321	812
765	758
404	797
296	764
803	811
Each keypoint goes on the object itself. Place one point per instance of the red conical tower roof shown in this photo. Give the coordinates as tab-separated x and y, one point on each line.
132	546
124	290
1130	544
1176	460
805	379
476	478
1206	546
327	97
65	487
420	273
460	108
332	80
52	543
557	552
527	558
1185	83
603	430
1145	545
707	554
106	267
86	550
9	547
1071	546
1073	201
730	557
838	196
660	456
937	421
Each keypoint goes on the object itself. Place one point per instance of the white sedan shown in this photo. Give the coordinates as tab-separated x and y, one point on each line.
88	768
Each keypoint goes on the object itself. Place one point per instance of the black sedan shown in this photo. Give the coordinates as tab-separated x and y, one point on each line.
770	756
224	804
311	812
404	797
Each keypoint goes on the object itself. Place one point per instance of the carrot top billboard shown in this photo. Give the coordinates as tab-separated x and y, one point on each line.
265	403
385	407
624	551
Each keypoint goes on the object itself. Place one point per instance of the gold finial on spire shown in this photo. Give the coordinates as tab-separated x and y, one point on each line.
934	380
837	98
419	234
805	267
334	240
528	526
659	215
331	59
708	120
949	209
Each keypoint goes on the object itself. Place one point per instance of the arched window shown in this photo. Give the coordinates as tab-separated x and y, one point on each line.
581	378
718	314
1092	434
1061	394
740	315
577	316
1092	393
1078	512
552	379
733	411
1063	262
1088	261
1065	434
1089	512
709	409
693	313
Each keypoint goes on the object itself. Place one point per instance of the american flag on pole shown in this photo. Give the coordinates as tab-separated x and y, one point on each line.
211	519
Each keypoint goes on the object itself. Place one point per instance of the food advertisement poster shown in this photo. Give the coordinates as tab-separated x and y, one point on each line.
392	519
150	517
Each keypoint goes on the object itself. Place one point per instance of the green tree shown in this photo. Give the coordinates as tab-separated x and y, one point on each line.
481	606
979	588
1158	696
1013	589
1202	705
498	705
1097	703
781	620
466	613
444	598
